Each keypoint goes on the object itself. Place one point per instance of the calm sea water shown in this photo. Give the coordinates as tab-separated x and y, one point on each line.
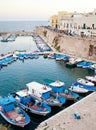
7	26
16	75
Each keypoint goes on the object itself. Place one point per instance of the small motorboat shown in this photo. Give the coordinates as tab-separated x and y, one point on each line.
59	57
91	79
78	89
51	56
43	93
58	87
88	64
81	64
84	82
93	67
31	104
73	62
88	88
12	112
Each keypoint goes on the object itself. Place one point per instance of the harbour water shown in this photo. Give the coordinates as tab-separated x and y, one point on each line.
16	75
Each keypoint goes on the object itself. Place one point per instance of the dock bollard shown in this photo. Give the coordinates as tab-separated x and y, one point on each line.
76	115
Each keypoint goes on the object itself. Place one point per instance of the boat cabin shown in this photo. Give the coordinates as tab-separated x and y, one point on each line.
39	90
7	103
57	86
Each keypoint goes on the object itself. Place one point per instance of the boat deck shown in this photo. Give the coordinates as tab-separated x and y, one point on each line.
65	120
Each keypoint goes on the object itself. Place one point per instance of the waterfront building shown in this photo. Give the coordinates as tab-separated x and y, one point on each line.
54	21
77	22
63	15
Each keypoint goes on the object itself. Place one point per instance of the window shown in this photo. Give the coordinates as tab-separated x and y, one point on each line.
67	25
93	26
84	26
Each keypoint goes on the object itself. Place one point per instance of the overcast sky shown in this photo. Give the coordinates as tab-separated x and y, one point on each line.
41	9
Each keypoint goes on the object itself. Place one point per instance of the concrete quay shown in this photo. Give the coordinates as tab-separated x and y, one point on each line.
65	120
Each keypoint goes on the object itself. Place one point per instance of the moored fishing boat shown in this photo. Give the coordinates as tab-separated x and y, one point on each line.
30	103
78	88
12	112
84	82
88	64
81	86
58	87
93	67
66	58
73	62
35	55
51	55
59	57
84	64
91	79
43	92
81	64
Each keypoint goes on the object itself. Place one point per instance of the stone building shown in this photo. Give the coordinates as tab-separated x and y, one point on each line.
54	21
78	22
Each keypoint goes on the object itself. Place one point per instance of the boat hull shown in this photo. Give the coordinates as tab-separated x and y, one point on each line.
91	80
69	96
13	123
34	111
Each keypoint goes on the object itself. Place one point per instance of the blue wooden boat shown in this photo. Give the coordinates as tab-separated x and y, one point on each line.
12	112
31	56
84	64
7	60
36	55
87	65
59	57
26	55
66	58
81	64
58	87
30	103
20	56
43	93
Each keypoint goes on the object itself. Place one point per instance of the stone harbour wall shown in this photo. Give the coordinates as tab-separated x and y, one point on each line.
83	47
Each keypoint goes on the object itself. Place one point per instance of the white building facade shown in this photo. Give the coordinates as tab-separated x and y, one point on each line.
76	22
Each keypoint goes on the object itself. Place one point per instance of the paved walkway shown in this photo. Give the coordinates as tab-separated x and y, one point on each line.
65	120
